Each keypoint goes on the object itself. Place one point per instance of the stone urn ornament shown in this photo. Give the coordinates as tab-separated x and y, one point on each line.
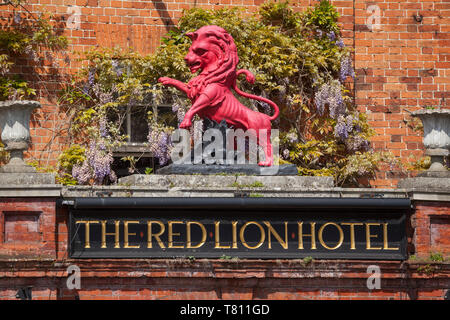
436	127
15	133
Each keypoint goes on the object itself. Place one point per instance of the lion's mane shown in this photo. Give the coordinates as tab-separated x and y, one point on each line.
225	74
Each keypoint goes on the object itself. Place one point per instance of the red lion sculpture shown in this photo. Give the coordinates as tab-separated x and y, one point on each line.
213	51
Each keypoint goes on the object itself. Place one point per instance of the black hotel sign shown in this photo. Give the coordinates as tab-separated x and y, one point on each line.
336	228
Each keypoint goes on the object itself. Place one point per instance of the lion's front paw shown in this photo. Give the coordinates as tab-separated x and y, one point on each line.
266	163
165	81
185	124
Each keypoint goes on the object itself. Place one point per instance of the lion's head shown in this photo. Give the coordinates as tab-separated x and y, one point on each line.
214	53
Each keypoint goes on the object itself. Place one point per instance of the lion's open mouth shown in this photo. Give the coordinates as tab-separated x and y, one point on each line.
194	66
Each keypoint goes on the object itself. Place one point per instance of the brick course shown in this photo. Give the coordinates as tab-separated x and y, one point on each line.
215	279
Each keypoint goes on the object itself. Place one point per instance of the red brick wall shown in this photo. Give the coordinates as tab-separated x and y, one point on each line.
401	66
27	227
431	222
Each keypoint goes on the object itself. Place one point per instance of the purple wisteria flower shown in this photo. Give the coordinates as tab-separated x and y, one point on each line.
102	95
160	144
85	89
343	127
346	68
81	173
330	94
91	76
357	143
31	52
96	166
90	83
104	132
340	43
266	108
117	68
180	115
292	137
179	110
175	107
163	143
331	36
17	18
345	130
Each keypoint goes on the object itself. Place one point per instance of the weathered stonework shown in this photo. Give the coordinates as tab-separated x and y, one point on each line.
17	178
230	181
423	183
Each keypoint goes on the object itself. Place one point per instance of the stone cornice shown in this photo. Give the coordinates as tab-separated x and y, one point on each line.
221	186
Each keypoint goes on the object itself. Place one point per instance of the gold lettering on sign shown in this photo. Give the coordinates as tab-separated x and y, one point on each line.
198	234
171	234
87	243
115	234
369	236
127	234
385	238
217	244
261	239
352	232
271	230
312	235
341	236
234	231
188	235
156	235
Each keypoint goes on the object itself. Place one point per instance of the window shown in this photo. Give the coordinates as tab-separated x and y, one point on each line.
134	124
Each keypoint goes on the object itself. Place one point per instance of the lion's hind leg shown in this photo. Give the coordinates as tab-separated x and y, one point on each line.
266	145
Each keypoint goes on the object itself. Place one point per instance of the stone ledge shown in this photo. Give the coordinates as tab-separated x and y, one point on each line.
418	195
220	181
427	188
224	186
57	191
28	178
241	191
34	190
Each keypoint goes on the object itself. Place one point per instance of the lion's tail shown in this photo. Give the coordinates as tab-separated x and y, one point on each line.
251	79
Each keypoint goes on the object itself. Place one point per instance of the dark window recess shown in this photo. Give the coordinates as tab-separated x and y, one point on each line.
166	116
142	155
133	123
